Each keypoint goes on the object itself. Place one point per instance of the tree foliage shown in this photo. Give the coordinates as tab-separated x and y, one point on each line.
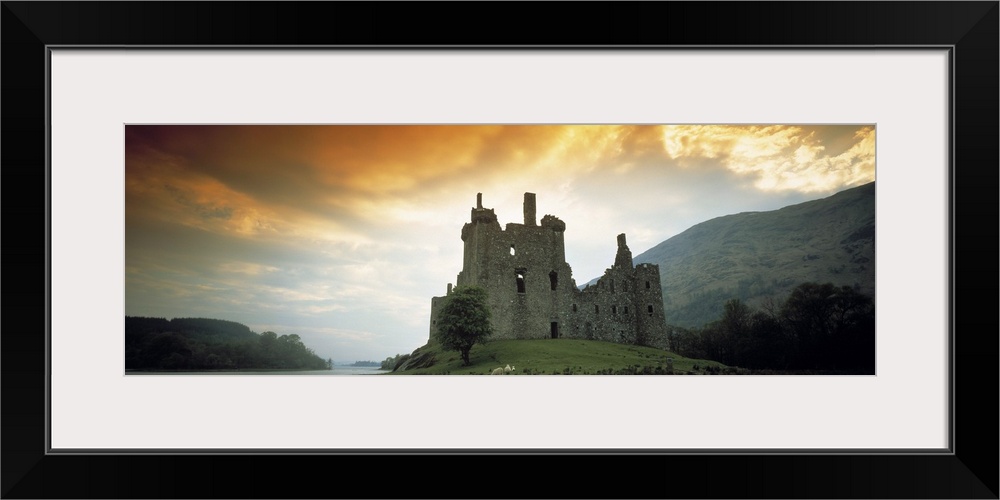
211	344
819	327
464	320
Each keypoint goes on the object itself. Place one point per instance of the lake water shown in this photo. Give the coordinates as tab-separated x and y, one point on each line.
349	370
337	370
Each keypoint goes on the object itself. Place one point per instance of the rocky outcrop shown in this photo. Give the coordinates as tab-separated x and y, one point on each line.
416	359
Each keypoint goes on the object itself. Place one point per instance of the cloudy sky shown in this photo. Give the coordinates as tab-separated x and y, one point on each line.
342	234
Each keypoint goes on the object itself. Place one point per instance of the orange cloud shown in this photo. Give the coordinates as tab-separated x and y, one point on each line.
332	183
781	157
171	193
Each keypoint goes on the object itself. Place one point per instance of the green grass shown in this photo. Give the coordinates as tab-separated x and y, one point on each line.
562	357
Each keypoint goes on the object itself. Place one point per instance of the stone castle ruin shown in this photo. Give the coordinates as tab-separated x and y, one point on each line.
531	291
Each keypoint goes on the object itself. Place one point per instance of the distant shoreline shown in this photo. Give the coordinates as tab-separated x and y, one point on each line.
337	370
248	370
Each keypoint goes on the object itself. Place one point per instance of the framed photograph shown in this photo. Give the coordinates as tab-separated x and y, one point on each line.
134	116
334	241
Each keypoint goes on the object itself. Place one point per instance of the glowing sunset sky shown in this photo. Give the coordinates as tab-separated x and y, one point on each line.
342	234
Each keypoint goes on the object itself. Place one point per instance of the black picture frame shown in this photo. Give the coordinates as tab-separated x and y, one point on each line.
969	28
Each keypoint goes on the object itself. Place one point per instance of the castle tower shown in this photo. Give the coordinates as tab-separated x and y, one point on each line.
530	288
624	256
529	209
477	234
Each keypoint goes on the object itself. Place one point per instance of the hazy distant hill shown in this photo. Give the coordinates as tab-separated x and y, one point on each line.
754	255
194	344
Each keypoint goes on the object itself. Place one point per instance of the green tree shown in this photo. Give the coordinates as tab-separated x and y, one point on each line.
834	326
464	321
268	339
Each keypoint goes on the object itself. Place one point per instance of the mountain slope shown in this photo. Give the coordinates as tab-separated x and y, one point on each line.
756	255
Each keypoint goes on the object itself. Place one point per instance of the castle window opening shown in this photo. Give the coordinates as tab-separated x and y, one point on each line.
574	307
512	252
553	279
612	286
614	309
520	280
647	285
649	309
626	309
554	330
597	309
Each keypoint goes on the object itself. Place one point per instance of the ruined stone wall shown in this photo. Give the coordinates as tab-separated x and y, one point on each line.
651	324
525	275
531	292
436	304
619	308
610	307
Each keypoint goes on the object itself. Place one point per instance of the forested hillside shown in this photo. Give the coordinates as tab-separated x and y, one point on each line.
819	328
211	344
760	257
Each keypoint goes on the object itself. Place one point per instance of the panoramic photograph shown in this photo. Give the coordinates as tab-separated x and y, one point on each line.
604	249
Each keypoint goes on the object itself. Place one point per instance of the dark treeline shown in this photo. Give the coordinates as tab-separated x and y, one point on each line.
819	328
212	344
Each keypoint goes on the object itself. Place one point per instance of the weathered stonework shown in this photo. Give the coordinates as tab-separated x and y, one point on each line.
531	291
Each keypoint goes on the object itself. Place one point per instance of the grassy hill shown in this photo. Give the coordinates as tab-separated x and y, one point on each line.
754	256
554	356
